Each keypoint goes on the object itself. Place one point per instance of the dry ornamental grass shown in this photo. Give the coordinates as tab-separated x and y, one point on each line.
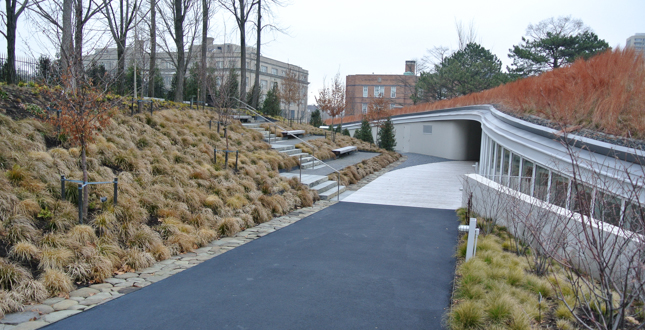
172	197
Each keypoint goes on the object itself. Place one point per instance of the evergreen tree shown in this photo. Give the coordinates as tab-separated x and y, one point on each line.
129	81
316	119
365	132
159	86
386	139
191	86
339	128
346	132
271	105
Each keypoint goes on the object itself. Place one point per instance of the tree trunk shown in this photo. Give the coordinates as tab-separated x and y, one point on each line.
153	47
256	85
10	74
120	71
77	58
179	43
202	74
66	41
242	26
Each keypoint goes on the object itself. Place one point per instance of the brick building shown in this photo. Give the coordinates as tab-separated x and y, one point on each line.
362	88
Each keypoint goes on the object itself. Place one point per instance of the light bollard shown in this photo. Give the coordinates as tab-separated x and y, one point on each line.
473	233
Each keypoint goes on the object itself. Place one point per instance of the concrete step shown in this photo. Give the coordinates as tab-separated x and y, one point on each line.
311	164
325	186
331	193
294	152
251	125
297	153
282	147
308	180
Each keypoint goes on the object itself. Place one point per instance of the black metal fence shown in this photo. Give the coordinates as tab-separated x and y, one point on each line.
27	69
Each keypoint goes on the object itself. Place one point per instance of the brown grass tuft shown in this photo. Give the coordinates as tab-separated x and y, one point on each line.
24	251
136	259
56	281
229	227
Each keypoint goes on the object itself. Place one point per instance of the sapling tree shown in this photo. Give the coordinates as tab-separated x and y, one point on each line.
84	112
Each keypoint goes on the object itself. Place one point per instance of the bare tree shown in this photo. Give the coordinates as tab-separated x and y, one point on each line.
206	6
261	9
289	90
240	9
10	17
465	35
121	16
153	48
76	14
180	22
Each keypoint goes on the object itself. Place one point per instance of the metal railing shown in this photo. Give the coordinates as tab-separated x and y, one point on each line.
254	111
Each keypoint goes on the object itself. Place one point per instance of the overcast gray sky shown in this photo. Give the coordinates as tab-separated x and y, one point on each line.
378	36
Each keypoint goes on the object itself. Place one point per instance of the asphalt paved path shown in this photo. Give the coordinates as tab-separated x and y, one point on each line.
349	266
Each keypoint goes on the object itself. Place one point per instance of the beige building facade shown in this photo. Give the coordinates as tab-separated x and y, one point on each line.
223	58
637	42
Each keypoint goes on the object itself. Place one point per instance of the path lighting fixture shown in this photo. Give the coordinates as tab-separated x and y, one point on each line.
473	233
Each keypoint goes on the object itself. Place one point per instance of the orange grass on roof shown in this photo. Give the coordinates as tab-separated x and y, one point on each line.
605	93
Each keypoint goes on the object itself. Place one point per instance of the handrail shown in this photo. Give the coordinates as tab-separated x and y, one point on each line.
250	108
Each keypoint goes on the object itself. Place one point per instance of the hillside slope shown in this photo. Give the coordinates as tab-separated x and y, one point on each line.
172	198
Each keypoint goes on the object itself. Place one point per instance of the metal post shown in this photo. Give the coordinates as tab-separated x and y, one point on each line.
218	126
62	187
191	102
300	168
80	203
471	238
151	108
226	160
116	193
237	153
214	155
210	124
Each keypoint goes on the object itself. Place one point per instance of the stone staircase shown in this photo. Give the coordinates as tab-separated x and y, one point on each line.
327	189
268	136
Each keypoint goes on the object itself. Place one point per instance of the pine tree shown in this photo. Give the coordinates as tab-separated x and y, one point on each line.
316	119
386	138
365	132
346	132
271	105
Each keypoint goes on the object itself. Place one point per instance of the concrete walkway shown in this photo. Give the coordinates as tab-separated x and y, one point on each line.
349	266
352	265
435	185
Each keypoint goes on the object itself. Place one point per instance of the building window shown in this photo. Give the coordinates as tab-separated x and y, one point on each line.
392	105
219	64
218	81
393	92
364	108
365	91
275	84
263	68
283	73
274	71
263	84
378	91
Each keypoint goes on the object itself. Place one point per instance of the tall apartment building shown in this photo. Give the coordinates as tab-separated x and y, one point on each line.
637	42
223	58
361	89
